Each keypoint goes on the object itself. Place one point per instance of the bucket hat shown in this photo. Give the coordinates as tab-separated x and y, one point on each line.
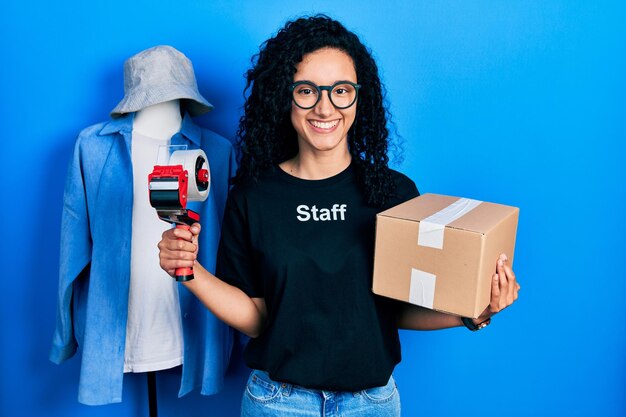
157	75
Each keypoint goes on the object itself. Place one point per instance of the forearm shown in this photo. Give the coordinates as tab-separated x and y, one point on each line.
419	318
227	302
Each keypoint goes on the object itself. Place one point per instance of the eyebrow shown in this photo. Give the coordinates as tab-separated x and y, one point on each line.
325	85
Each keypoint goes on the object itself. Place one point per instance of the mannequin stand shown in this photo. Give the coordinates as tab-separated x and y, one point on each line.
152	395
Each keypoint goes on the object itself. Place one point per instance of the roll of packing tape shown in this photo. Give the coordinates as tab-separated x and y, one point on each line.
195	162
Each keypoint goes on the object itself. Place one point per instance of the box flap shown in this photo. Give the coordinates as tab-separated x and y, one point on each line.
420	207
484	218
481	219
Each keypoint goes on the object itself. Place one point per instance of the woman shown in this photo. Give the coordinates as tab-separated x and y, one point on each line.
295	258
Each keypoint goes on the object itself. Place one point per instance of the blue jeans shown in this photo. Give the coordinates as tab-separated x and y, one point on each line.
264	397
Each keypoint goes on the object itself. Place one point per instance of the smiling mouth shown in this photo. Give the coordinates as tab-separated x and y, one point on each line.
323	125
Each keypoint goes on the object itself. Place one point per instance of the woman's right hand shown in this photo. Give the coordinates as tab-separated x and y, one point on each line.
178	248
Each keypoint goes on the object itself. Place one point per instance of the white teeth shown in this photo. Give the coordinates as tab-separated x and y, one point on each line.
324	125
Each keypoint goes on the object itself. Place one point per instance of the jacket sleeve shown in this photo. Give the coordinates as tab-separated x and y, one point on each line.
75	257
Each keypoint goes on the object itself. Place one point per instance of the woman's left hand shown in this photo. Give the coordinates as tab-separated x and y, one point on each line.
504	289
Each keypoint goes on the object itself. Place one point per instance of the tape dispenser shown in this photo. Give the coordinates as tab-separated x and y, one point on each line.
185	177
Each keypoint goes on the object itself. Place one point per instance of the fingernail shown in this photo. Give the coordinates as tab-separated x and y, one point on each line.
503	257
496	277
500	262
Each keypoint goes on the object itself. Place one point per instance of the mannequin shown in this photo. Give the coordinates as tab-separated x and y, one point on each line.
114	301
159	121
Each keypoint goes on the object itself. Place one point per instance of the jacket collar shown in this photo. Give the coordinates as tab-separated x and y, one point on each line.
124	125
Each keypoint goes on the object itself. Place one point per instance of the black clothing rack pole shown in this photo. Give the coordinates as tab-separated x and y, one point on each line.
152	398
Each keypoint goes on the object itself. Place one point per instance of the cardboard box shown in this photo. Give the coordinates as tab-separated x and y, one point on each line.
440	252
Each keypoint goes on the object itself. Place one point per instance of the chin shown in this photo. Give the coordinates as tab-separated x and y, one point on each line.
326	144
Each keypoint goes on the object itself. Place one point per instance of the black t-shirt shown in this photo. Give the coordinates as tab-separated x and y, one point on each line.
307	247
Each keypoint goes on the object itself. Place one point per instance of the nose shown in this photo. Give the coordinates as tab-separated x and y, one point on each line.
324	107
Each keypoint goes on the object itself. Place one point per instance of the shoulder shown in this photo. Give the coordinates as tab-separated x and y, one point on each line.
92	141
267	187
402	181
250	195
245	186
90	132
405	188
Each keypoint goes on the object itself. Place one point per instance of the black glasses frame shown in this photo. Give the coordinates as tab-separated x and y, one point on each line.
321	88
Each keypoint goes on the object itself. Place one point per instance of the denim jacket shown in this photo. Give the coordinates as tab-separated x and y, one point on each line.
94	271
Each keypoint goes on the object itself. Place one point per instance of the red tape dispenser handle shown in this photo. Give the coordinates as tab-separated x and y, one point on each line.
184	220
185	273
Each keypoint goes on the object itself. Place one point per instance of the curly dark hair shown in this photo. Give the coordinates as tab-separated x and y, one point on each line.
266	136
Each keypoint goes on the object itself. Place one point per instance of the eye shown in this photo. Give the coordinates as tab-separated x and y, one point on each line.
305	90
342	89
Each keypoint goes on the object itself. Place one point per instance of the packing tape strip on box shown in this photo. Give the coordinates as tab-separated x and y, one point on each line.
432	227
431	231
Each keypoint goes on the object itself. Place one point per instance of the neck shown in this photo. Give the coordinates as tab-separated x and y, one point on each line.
159	121
317	166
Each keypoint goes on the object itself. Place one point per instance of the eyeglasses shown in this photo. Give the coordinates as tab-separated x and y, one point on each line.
342	94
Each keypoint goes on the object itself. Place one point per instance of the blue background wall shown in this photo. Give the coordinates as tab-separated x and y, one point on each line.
521	103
